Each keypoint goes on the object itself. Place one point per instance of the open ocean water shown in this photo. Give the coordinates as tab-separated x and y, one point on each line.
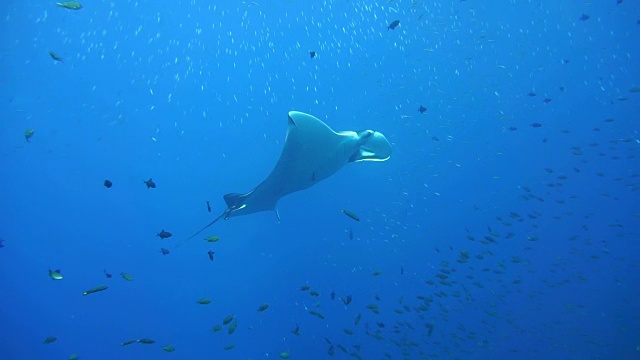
506	223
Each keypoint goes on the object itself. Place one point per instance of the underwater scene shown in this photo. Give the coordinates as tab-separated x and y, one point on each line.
333	179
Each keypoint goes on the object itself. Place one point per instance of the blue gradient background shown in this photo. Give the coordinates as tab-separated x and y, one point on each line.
195	95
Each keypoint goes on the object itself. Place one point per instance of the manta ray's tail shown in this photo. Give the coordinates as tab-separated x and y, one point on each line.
222	216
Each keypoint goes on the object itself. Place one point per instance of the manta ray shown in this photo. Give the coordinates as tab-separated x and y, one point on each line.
312	152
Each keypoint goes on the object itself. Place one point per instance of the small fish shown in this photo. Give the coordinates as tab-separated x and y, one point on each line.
95	290
164	234
376	273
108	184
217	328
55	274
208	206
547	100
204	301
49	340
229	346
380	324
401	270
71	5
28	134
304	287
535	125
284	355
316	314
296	331
584	17
348	331
356	321
168	348
263	307
146	341
232	327
531	94
351	215
347	300
333	295
1	243
393	25
227	320
128	342
107	274
164	251
212	238
422	109
312	54
210	253
126	276
55	56
74	357
314	293
350	234
150	184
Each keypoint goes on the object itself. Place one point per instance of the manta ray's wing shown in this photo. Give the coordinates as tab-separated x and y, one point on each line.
312	152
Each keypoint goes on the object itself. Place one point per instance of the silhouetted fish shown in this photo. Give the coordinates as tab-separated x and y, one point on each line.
164	251
312	54
422	109
210	253
164	234
108	184
208	206
393	25
149	183
584	17
536	125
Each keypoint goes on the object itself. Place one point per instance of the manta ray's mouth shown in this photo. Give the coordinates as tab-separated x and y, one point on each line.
374	147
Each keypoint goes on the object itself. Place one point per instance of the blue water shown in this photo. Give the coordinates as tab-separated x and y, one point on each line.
503	226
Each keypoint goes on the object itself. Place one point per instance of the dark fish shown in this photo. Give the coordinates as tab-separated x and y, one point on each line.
422	109
351	215
149	183
107	274
380	324
55	56
350	234
347	300
146	341
49	340
296	331
513	128
208	206
618	2
401	270
535	125
164	251
531	94
333	295
210	253
547	100
584	17
1	243
566	61
128	342
561	88
108	184
312	54
393	25
164	234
